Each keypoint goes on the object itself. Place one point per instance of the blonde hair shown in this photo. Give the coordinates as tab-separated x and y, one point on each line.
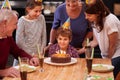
7	15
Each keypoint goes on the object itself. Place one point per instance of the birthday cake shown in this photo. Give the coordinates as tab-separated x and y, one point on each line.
60	58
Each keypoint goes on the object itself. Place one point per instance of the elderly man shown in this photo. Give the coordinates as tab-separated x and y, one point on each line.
8	23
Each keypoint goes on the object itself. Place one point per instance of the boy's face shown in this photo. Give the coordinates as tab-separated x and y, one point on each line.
63	42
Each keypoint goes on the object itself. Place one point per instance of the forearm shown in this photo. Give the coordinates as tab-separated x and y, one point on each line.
1	73
52	35
89	36
112	44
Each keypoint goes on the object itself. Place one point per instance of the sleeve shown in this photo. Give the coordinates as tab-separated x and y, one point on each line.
16	51
56	22
73	52
44	37
20	40
112	25
53	49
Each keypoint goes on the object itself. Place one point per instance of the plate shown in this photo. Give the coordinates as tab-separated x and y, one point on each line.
97	77
28	67
48	61
102	67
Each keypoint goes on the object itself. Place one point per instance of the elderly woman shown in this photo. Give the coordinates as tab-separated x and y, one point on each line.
78	24
106	29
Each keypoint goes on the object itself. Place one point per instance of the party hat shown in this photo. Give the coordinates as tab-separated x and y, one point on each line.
66	25
6	5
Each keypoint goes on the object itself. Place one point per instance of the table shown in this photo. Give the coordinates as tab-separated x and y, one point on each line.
75	71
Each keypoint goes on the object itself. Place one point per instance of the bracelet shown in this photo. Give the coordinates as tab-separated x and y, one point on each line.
50	43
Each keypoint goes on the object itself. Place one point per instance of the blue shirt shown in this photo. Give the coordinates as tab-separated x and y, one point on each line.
78	26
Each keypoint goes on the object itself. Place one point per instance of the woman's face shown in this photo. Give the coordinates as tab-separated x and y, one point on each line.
91	17
63	42
72	4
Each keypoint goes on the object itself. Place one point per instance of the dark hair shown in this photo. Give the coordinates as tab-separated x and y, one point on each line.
32	4
64	32
98	7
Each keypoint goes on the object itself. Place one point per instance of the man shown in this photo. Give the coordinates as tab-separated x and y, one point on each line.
8	23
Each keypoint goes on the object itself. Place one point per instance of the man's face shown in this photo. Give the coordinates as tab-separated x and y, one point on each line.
11	26
72	4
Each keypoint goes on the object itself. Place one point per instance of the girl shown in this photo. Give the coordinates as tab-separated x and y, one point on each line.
31	29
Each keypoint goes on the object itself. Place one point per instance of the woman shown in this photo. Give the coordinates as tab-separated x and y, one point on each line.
79	25
106	29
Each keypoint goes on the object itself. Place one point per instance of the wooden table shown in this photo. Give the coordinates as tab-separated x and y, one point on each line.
72	72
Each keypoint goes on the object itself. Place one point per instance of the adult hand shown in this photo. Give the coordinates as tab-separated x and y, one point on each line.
82	50
34	61
11	72
46	49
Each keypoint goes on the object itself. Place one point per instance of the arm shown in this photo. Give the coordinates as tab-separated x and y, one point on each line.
44	38
17	52
52	35
9	72
92	43
112	44
20	40
89	35
56	24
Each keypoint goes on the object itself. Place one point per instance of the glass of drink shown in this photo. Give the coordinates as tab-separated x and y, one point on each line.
23	75
23	68
41	61
89	59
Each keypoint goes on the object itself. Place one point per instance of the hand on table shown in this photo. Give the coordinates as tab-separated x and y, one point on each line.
34	61
10	72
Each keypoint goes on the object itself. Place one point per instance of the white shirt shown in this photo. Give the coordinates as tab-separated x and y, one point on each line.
111	24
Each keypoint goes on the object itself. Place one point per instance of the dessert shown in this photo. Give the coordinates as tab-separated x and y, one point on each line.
60	58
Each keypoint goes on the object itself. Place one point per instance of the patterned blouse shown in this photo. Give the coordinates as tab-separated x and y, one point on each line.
71	50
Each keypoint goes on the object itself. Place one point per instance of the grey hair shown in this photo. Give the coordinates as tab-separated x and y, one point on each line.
7	14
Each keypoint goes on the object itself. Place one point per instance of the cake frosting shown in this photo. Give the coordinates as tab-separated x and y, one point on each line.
60	58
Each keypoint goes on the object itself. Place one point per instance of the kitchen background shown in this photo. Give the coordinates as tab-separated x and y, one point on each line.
49	7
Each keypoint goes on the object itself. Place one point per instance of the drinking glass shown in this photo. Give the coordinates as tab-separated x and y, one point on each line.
41	61
89	59
23	69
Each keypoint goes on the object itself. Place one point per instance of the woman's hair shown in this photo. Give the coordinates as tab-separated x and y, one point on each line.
32	4
64	32
98	7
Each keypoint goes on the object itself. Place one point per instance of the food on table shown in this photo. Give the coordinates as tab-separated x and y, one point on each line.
96	77
27	68
60	58
100	67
